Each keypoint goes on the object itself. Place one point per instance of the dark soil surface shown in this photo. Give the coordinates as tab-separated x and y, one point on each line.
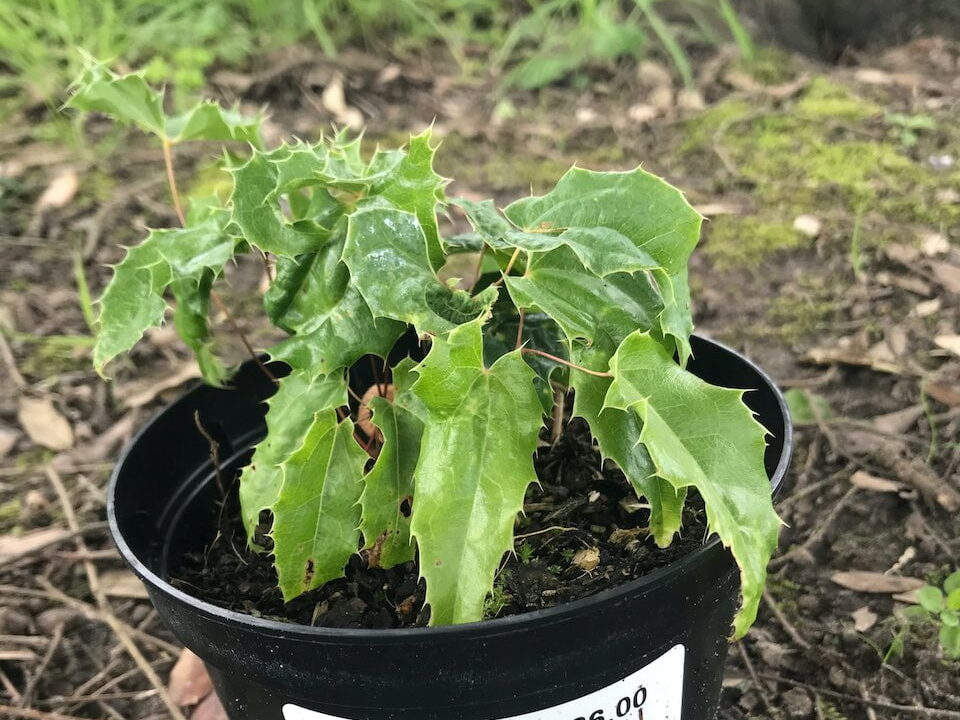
583	531
832	258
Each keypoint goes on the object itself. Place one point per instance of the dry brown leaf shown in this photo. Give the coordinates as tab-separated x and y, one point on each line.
210	709
189	681
143	392
60	192
364	414
898	422
946	394
122	584
948	276
335	101
865	481
17	545
44	424
909	283
850	356
864	618
927	308
874	582
8	440
933	244
587	559
950	343
910	597
903	254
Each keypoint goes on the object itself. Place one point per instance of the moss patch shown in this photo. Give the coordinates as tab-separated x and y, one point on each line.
827	152
732	241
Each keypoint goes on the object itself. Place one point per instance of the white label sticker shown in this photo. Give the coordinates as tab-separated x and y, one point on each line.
655	692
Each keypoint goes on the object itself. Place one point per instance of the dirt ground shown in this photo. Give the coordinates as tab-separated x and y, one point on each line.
832	257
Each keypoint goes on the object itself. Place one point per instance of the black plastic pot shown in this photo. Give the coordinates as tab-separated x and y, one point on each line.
652	649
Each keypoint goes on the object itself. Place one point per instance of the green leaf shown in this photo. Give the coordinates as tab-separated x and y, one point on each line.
305	287
805	406
953	600
133	300
414	186
584	305
256	211
390	483
208	121
476	461
192	294
339	333
602	250
703	436
949	618
653	215
676	322
387	254
930	599
291	410
127	99
950	641
618	433
317	514
952	582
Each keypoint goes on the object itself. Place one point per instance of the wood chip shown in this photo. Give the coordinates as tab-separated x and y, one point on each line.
864	618
189	681
875	582
8	440
933	244
927	308
122	584
919	475
865	481
950	343
587	559
808	225
334	100
18	545
44	424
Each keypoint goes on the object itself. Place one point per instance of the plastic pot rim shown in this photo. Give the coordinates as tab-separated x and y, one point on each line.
482	628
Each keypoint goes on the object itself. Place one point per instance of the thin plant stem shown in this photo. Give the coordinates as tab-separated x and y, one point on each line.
478	270
559	401
503	275
588	371
523	316
172	180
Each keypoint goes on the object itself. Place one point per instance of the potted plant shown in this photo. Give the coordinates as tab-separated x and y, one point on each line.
420	469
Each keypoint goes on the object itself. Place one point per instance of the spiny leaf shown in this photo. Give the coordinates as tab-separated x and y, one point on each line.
618	434
305	287
256	211
390	484
414	186
703	436
476	461
317	512
338	334
291	410
192	294
127	99
676	322
133	300
387	254
602	250
583	304
208	121
652	214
